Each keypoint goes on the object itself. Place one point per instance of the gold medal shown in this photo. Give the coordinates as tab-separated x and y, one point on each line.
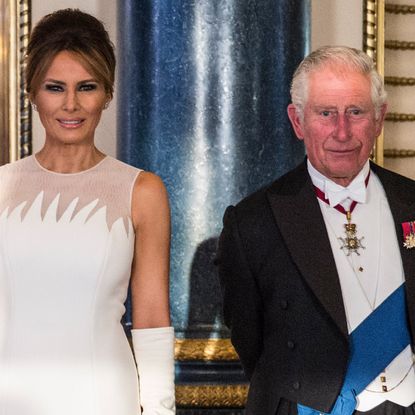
351	243
409	241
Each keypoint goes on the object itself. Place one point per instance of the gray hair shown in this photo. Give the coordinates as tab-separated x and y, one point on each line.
341	56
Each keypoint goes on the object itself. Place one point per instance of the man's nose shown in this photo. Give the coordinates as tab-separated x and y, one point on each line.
342	127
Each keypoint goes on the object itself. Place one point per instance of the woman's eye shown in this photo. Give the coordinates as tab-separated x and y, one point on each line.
88	87
53	88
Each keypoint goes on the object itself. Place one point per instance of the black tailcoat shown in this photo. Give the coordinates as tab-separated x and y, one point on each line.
282	295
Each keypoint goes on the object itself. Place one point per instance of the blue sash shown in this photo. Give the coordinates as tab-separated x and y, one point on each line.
381	337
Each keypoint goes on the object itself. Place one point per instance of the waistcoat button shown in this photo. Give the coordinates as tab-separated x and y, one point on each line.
284	304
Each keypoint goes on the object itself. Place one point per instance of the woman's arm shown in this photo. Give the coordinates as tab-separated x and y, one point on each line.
150	269
153	339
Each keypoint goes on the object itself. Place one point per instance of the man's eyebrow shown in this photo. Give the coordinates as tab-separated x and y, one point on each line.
325	107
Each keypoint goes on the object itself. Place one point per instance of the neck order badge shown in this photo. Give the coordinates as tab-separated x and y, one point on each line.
351	243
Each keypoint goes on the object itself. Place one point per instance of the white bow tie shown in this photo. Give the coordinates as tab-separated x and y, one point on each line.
337	194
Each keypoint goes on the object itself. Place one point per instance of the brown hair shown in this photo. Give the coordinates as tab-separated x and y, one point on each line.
74	31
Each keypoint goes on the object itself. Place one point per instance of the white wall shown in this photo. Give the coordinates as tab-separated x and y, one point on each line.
333	22
336	22
105	10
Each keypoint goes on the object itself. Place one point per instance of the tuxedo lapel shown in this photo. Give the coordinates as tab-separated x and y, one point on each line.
301	223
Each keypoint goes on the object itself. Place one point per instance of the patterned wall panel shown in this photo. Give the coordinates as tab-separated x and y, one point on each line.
390	39
400	84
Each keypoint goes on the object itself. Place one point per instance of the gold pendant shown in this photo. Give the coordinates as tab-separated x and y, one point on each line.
351	243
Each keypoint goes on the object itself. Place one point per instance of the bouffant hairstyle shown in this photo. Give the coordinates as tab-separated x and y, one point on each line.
74	31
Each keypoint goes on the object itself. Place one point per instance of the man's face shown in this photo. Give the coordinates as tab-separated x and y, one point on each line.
339	127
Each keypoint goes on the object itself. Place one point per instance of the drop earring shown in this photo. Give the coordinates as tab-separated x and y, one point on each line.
34	106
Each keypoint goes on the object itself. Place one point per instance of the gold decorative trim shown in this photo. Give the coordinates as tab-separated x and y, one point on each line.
399	9
212	396
399	45
15	118
373	45
205	349
399	153
7	80
14	80
399	81
399	117
370	28
25	125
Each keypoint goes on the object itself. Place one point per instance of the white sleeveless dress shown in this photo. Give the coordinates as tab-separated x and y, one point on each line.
66	247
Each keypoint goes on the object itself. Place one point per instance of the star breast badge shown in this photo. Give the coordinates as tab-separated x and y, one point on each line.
408	234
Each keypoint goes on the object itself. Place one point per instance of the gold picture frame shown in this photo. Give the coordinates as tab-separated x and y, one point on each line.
15	114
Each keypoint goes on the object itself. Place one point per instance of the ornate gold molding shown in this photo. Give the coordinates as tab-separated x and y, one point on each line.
25	124
400	9
15	117
212	395
205	349
7	80
399	81
399	45
204	396
399	117
371	28
399	153
373	45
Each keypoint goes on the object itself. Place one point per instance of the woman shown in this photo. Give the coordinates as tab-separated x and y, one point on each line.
76	226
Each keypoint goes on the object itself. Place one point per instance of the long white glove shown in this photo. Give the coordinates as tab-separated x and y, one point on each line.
154	356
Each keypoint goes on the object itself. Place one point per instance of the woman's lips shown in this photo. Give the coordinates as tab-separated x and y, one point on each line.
70	123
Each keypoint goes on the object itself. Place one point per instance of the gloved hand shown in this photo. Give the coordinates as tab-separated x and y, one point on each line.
154	356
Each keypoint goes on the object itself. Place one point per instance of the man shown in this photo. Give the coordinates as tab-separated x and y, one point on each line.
317	269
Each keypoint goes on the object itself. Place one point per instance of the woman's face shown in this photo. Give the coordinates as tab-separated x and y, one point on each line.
69	101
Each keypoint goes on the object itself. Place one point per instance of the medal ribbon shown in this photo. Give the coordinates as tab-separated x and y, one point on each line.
408	228
408	234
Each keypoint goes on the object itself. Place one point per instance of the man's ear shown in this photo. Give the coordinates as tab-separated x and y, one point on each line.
294	117
381	119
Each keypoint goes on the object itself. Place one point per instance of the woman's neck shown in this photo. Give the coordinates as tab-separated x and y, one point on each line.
69	158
